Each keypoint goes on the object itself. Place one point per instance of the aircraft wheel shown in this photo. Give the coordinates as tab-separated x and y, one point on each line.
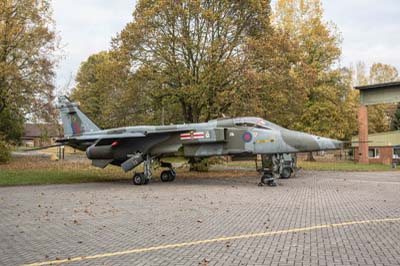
165	176
272	183
286	173
139	179
172	175
266	179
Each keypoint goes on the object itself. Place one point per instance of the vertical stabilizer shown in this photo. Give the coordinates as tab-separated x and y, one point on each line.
74	121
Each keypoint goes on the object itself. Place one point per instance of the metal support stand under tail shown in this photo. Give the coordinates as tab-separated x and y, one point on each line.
144	178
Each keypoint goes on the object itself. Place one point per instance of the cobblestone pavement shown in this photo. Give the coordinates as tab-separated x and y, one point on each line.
56	222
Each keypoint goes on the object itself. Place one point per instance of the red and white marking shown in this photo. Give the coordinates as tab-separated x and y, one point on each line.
193	135
198	135
186	136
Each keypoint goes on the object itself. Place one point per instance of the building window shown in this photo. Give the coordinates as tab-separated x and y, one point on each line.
396	152
373	153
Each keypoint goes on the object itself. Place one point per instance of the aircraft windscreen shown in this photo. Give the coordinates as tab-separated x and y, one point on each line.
249	124
257	123
271	125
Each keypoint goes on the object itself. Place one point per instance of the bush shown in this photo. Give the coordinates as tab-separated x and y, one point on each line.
5	151
11	126
198	164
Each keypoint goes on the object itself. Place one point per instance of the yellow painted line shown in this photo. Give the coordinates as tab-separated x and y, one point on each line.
213	240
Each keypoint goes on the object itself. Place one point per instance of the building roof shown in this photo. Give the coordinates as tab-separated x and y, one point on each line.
40	130
384	139
377	86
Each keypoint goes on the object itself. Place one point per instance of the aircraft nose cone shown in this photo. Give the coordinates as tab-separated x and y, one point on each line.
326	143
339	144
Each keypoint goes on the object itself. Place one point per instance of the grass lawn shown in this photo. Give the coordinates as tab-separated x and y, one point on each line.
343	166
324	166
41	171
36	171
53	176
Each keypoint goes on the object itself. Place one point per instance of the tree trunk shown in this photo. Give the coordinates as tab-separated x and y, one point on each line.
310	157
2	104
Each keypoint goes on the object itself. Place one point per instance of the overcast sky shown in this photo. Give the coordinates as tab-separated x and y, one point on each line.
370	29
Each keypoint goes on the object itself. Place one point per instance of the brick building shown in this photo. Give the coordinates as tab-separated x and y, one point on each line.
383	148
36	135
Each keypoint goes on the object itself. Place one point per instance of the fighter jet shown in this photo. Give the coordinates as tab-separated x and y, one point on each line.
128	147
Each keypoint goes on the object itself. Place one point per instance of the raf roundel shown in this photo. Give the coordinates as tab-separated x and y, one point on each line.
247	137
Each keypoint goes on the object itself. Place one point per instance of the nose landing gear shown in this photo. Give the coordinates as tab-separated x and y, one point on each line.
276	165
268	179
268	170
144	178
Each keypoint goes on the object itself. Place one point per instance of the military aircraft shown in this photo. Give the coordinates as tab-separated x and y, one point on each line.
128	147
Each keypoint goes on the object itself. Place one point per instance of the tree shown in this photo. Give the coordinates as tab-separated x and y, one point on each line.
109	93
204	59
381	73
91	89
296	75
28	40
11	129
5	151
395	123
380	115
192	52
276	91
11	126
331	109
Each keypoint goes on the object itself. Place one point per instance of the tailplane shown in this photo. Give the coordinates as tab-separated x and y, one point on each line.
75	122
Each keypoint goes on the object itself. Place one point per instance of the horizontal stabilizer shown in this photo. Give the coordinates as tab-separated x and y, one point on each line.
43	148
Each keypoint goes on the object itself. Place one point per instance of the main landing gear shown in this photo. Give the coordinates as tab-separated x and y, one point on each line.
140	179
144	178
167	175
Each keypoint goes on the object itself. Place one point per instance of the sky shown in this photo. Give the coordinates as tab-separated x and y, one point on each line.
370	30
86	27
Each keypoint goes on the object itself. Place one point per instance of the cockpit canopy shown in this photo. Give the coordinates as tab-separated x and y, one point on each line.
255	122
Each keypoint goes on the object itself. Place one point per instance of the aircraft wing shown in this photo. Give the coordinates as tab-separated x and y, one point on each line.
103	139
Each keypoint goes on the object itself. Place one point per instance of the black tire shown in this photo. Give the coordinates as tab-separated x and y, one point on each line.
272	183
146	181
286	173
266	179
165	176
139	179
172	175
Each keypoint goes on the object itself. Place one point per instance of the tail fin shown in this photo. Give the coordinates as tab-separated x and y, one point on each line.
74	121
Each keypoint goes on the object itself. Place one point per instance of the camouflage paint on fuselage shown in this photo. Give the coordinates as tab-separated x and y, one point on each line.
231	136
299	141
